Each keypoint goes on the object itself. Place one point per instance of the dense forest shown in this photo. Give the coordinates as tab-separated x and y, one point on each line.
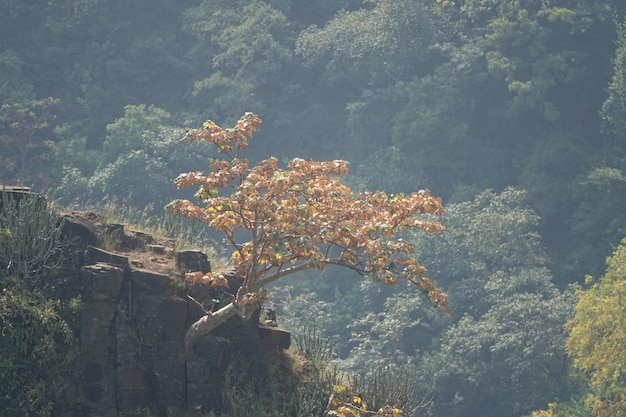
512	111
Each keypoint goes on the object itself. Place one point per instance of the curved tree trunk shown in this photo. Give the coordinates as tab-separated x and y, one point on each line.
205	325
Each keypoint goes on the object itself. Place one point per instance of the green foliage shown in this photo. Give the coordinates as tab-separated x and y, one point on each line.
501	353
504	353
596	230
30	244
435	130
569	409
36	354
491	250
24	135
508	361
141	154
377	44
389	386
458	96
614	107
595	344
316	349
597	334
12	83
249	41
36	342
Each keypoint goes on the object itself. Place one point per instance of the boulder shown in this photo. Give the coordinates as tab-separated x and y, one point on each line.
193	260
79	229
101	282
145	280
95	255
274	338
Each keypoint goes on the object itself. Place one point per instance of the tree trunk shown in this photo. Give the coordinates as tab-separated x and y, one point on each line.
205	325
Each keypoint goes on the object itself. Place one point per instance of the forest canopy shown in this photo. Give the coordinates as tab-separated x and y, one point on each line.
513	112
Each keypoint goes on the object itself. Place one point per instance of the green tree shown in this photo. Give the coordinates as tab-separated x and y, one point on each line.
597	193
30	234
13	86
141	152
614	107
244	46
24	134
362	58
504	354
597	334
508	361
36	354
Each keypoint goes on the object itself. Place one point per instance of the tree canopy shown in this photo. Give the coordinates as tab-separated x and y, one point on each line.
298	218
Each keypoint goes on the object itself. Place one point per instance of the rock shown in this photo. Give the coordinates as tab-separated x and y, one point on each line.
127	345
17	193
96	255
199	372
79	230
157	249
215	350
134	389
193	260
159	318
132	323
274	338
204	398
134	239
144	279
202	389
170	374
101	282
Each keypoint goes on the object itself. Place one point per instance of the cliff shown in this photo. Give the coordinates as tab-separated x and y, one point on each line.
136	308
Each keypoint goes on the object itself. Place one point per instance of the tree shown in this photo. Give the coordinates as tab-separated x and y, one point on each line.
23	131
595	343
249	45
298	218
597	335
504	353
143	140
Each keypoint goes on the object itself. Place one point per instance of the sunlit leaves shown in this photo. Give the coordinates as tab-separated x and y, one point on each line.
598	335
303	216
214	280
344	402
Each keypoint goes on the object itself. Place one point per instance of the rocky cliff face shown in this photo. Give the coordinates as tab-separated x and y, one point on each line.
135	311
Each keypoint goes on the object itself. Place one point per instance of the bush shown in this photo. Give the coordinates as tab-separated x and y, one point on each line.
35	353
30	235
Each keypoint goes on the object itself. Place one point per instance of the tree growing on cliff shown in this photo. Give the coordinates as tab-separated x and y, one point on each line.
281	221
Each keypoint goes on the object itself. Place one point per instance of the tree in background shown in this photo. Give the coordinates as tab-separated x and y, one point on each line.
502	350
24	134
141	152
597	335
296	219
503	354
595	343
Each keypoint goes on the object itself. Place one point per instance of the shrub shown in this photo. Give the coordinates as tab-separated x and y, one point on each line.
30	235
35	353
